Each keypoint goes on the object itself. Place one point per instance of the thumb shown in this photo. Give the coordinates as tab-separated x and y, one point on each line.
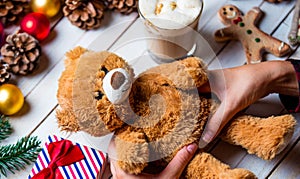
215	125
179	162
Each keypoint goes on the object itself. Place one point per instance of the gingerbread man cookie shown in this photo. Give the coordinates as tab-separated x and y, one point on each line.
243	28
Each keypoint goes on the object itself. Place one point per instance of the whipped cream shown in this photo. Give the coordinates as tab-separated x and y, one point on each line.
170	14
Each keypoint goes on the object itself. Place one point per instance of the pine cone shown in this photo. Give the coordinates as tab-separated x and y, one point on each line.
4	74
11	10
85	14
123	6
21	52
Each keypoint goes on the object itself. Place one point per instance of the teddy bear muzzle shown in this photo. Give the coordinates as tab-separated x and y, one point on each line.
117	85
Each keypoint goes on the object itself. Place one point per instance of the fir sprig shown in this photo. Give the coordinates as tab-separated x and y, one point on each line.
5	128
14	157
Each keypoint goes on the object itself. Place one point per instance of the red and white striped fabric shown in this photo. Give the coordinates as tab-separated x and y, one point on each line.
88	168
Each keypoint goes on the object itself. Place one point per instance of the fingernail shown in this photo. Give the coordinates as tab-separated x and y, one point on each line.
191	148
202	143
204	140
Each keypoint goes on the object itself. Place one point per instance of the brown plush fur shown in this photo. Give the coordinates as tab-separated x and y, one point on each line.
66	117
262	137
165	112
205	165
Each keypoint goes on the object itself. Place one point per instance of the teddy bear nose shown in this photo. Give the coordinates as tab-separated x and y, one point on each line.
117	85
117	79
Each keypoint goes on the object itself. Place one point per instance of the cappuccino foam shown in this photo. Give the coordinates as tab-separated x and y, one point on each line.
170	14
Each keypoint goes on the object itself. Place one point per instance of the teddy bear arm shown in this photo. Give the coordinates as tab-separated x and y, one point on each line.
188	73
204	165
131	150
262	137
196	70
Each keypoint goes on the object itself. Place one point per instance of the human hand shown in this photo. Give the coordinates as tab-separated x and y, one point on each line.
239	87
173	170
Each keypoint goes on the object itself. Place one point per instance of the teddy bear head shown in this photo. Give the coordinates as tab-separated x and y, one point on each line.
122	98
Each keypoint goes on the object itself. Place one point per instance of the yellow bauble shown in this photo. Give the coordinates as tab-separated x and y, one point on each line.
11	99
47	7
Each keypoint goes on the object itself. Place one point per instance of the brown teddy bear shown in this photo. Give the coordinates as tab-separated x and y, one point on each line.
156	113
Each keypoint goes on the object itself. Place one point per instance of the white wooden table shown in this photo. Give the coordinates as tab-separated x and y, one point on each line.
38	115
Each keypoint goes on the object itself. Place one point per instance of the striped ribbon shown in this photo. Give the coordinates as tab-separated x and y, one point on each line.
88	168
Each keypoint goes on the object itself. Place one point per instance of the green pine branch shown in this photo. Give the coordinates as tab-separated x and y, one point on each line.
5	128
14	157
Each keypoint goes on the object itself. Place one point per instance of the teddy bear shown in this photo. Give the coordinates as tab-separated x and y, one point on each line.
154	114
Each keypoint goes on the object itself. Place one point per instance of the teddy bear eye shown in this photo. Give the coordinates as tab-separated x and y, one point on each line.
98	95
104	69
231	9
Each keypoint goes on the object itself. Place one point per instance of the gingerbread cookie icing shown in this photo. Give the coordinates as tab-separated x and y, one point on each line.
243	28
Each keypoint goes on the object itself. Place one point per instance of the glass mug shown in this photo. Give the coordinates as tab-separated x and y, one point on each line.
169	40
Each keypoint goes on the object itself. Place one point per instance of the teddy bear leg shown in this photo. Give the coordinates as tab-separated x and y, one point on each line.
204	165
132	151
262	137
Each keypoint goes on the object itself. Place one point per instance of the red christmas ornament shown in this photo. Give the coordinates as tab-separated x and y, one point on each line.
36	24
2	35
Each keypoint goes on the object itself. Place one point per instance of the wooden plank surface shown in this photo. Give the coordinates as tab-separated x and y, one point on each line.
289	167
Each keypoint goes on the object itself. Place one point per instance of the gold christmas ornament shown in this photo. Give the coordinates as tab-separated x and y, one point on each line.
47	7
11	99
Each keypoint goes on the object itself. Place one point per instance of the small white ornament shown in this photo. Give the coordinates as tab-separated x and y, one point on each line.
117	85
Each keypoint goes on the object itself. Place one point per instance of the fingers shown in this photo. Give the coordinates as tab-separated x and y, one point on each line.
115	170
173	170
112	149
118	173
179	162
215	125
